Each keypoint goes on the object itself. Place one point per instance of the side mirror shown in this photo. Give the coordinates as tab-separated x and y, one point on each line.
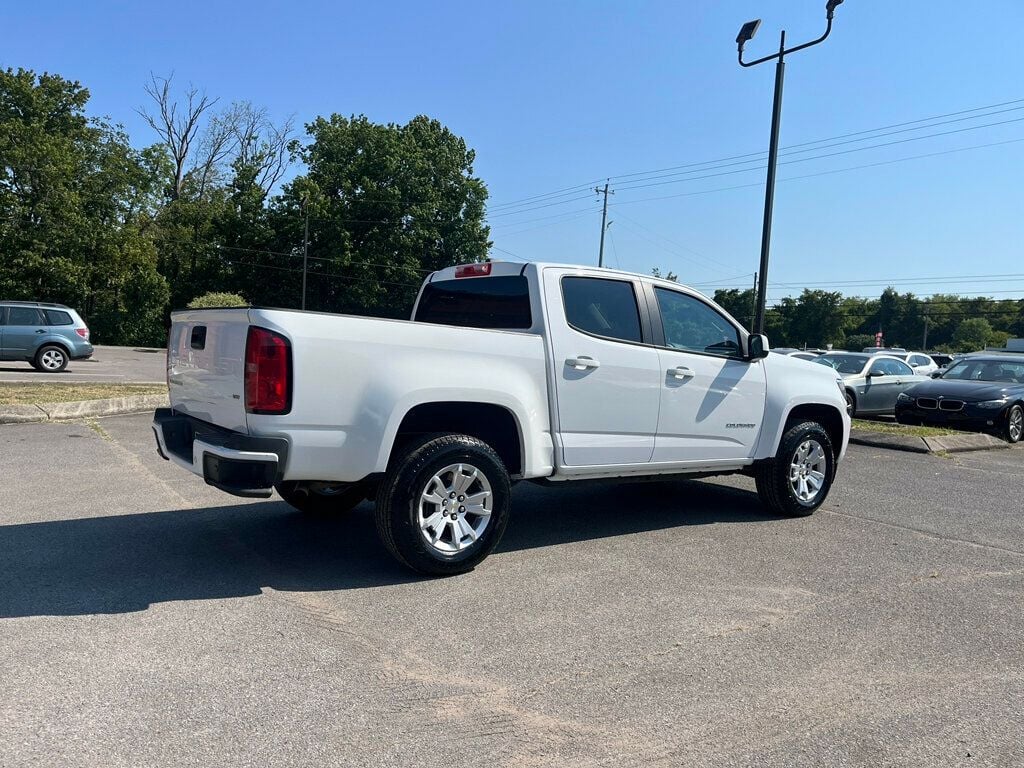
872	374
936	374
757	346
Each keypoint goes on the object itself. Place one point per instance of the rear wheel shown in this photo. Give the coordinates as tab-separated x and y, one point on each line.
1014	429
51	359
443	505
797	481
322	499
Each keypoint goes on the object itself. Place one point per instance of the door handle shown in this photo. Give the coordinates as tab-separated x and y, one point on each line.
682	372
40	331
582	363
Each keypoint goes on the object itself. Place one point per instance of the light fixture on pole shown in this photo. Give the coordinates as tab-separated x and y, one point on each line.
747	32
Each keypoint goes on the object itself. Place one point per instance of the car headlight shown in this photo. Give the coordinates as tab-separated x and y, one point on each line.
903	397
993	404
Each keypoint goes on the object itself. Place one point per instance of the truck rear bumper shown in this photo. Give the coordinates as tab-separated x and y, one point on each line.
238	464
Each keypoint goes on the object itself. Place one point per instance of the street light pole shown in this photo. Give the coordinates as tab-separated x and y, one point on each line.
747	32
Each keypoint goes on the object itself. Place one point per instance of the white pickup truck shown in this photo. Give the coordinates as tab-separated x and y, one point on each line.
506	372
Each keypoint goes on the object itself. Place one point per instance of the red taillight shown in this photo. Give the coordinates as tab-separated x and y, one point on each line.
267	372
473	270
83	332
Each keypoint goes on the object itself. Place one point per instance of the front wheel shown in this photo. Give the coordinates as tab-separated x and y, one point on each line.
797	481
443	505
51	359
1014	429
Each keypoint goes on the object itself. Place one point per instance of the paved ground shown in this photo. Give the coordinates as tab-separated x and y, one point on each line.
146	619
108	364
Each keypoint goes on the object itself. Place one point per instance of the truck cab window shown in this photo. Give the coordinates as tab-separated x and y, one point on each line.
481	302
602	307
692	325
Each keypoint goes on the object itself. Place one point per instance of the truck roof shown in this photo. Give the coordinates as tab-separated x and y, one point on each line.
506	268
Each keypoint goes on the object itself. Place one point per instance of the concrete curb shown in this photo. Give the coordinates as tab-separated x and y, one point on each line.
22	414
968	441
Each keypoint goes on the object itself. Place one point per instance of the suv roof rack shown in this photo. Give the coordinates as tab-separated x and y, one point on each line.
35	304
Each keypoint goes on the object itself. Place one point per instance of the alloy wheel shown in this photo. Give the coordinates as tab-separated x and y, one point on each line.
807	471
455	508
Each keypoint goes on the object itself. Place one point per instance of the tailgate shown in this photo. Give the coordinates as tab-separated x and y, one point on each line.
206	363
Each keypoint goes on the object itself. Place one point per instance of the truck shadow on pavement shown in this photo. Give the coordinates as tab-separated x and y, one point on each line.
125	563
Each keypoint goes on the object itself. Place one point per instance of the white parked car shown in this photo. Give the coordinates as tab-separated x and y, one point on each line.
506	372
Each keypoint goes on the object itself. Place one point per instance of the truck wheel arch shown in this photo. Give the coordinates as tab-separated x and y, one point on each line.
828	416
494	424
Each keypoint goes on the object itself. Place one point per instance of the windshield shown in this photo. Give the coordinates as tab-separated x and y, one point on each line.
1003	371
844	363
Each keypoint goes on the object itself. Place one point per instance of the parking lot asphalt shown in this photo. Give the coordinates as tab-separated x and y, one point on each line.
147	619
116	365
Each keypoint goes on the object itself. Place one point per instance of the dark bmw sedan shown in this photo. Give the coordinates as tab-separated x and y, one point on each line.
982	394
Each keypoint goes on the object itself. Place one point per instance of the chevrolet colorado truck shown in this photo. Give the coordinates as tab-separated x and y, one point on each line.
505	372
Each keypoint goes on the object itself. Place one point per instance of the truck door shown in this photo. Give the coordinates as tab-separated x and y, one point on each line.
712	399
606	376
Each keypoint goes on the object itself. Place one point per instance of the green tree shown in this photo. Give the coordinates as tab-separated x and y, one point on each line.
972	334
386	204
817	319
75	199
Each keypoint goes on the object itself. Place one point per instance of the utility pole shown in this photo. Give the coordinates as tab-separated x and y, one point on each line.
305	249
924	342
604	218
747	32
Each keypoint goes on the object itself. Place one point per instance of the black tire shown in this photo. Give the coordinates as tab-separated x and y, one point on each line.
774	486
851	403
322	499
411	475
51	358
1012	431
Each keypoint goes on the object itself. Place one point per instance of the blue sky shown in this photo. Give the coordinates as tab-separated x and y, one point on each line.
562	95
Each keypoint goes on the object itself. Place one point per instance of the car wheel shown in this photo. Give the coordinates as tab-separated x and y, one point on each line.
851	404
797	481
322	499
443	504
50	359
1014	429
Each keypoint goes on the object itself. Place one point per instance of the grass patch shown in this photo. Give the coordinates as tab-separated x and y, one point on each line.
891	428
33	394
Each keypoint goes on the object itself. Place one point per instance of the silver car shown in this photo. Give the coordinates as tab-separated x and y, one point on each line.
872	382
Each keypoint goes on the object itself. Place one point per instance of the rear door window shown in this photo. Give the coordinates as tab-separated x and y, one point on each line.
24	316
58	317
479	302
602	307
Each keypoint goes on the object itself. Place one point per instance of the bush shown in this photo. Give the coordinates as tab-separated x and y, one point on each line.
215	300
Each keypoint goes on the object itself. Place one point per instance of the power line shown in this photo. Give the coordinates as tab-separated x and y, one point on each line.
830	138
821	173
509	253
707	259
542	218
550	224
751	155
823	156
791	152
323	274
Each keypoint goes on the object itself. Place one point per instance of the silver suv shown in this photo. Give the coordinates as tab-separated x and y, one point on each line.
47	335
